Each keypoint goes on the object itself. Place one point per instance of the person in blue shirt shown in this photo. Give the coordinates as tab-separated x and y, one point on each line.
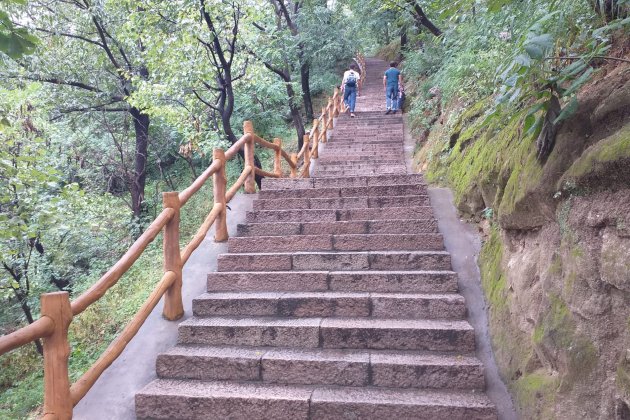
391	80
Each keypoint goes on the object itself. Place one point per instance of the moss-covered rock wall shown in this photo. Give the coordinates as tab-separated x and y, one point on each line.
556	260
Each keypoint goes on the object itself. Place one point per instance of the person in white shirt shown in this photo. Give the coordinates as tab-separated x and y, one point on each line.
349	87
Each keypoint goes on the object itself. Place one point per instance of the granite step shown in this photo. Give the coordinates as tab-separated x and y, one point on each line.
343	173
331	333
443	281
336	261
378	368
357	181
331	304
342	202
352	242
186	399
344	215
337	192
410	226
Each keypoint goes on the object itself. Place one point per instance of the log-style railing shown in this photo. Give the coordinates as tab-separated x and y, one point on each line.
57	311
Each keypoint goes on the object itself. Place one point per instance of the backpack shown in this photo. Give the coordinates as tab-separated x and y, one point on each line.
351	81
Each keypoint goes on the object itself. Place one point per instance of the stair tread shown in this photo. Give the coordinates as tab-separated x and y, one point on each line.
397	357
374	323
367	395
326	294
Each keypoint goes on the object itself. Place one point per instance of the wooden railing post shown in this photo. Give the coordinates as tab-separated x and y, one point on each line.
307	156
330	114
336	103
250	182
219	182
294	159
315	153
277	158
57	400
173	305
324	126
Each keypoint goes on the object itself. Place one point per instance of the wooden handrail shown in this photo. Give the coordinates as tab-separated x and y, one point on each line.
233	149
41	328
202	232
238	184
57	311
114	274
260	172
85	382
185	195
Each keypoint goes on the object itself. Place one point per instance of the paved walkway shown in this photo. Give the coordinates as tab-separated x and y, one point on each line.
336	299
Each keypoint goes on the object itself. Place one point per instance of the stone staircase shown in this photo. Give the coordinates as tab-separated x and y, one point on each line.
336	301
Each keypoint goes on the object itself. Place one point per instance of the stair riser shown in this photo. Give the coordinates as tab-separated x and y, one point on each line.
342	203
272	368
285	307
375	191
390	283
363	181
328	215
426	242
338	228
326	410
438	282
302	336
268	281
168	407
398	339
334	262
323	306
337	174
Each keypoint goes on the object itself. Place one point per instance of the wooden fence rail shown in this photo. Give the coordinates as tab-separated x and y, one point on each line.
57	310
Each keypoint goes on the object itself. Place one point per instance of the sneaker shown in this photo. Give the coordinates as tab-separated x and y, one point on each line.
352	115
387	112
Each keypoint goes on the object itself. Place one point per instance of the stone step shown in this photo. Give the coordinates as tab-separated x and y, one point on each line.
367	168
344	173
352	242
378	368
443	281
336	192
410	226
336	333
336	261
331	304
185	399
357	181
346	159
357	164
342	202
344	215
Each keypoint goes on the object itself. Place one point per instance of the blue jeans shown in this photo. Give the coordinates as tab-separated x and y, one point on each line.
350	97
391	95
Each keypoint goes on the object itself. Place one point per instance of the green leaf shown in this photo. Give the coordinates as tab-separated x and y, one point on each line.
579	82
535	127
568	110
534	51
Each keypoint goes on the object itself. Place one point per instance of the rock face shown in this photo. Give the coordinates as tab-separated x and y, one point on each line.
556	263
336	300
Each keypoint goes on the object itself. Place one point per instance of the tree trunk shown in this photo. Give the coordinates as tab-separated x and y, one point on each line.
306	90
422	19
141	127
22	298
403	38
296	116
